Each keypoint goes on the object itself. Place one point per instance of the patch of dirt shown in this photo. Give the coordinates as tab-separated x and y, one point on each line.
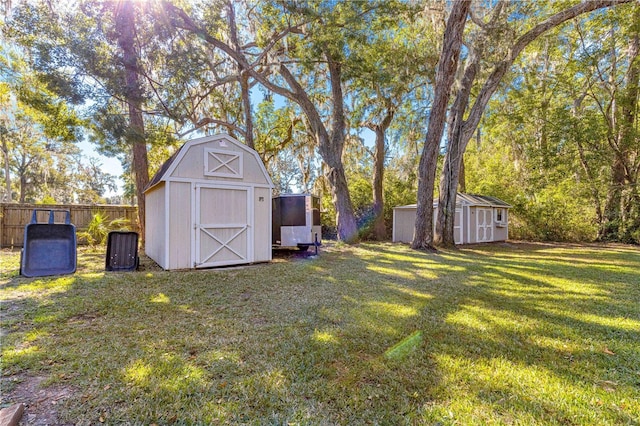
41	403
84	318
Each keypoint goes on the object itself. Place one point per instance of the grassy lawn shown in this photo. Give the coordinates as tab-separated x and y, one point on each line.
371	334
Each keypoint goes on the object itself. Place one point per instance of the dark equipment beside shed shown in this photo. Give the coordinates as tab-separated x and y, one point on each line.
49	248
296	221
122	251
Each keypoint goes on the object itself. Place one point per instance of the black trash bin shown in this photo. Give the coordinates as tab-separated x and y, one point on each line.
122	251
49	248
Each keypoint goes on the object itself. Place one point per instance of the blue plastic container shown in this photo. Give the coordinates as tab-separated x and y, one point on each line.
49	248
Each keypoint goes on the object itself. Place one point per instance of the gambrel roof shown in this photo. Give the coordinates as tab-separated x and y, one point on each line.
168	166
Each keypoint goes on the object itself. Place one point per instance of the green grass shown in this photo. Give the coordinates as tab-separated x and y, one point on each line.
370	334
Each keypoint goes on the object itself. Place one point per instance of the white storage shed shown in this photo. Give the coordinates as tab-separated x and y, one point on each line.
478	219
209	205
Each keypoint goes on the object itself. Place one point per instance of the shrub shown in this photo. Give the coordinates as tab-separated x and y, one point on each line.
99	227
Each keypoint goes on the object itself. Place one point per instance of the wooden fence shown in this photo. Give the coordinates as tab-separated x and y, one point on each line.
14	217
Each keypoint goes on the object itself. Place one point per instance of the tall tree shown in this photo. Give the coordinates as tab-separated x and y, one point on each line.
125	26
384	73
92	182
5	140
610	72
445	76
309	48
379	154
461	129
243	76
38	131
92	50
628	137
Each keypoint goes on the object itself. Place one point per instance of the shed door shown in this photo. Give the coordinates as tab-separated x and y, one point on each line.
222	226
485	225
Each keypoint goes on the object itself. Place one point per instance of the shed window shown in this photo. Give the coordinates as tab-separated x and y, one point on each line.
500	215
222	163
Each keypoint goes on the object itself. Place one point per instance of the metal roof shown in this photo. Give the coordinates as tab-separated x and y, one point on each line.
482	200
469	200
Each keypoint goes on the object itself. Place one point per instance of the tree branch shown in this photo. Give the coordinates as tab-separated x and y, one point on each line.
206	121
501	69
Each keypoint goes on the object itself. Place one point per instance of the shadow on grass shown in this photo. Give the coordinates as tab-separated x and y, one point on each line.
490	334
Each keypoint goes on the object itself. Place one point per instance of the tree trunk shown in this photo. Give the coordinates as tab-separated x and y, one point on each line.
379	228
445	76
445	217
21	171
7	171
243	77
595	193
423	233
632	231
331	152
446	213
125	26
462	186
628	134
448	193
23	188
345	217
611	225
246	106
330	145
619	221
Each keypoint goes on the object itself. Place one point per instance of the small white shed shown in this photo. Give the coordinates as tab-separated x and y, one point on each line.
209	205
478	219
